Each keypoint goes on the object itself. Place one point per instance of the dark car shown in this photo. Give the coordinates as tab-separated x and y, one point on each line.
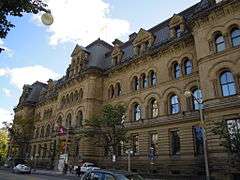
110	175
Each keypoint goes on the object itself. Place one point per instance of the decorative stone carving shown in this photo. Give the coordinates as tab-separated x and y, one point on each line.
143	36
176	21
117	54
143	40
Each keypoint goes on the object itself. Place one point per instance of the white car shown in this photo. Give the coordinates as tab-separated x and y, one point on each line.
21	168
88	166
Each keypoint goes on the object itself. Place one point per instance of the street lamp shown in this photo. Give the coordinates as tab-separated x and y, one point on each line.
47	18
189	94
129	152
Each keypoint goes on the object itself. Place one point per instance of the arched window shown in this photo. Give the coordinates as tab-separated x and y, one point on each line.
48	131
144	82
67	99
176	71
111	92
235	37
188	67
227	84
219	43
197	99
76	96
118	89
153	78
153	108
71	97
36	133
42	132
80	94
174	104
135	83
79	119
136	112
69	121
59	120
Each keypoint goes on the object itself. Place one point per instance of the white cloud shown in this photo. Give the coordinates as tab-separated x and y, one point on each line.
8	51
84	21
5	116
28	75
7	92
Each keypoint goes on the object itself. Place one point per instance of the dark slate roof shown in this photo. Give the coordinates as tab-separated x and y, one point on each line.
100	52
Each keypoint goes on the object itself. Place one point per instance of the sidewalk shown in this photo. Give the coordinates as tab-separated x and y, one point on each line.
50	172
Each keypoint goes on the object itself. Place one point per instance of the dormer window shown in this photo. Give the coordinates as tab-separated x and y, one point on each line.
142	42
178	31
117	55
176	26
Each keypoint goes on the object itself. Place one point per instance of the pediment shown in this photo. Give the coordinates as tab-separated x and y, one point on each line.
176	20
142	36
116	51
78	50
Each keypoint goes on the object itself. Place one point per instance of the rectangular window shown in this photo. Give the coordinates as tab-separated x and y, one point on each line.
234	132
175	142
178	31
198	140
153	145
135	144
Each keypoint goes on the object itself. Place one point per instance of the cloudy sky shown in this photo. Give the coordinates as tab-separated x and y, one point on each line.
36	52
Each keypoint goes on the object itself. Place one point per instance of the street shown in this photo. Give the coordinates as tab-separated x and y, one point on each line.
6	175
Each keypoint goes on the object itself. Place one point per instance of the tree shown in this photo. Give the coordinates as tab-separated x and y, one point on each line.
107	129
20	133
3	144
16	8
229	133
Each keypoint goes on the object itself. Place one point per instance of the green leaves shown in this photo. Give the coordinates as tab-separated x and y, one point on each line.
107	128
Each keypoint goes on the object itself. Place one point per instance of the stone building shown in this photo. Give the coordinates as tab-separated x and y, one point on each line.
149	74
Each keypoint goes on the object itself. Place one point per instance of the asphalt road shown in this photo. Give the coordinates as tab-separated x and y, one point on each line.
6	175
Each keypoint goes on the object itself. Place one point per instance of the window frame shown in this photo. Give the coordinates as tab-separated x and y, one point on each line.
172	145
171	104
235	37
227	84
219	44
198	150
187	66
137	112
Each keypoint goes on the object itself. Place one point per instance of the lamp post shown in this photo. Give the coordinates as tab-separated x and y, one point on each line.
199	101
129	152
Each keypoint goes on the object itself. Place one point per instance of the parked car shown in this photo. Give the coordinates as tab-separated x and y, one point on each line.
98	174
22	168
87	167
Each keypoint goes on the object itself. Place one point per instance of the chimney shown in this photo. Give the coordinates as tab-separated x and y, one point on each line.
132	36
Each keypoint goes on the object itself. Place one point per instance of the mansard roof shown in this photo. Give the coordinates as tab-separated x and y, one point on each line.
99	51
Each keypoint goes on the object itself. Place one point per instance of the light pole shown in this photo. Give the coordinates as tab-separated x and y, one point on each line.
200	102
129	152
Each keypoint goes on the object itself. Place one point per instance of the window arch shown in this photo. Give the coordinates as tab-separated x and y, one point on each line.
135	83
176	70
144	82
196	104
153	78
227	83
111	92
79	119
188	66
219	42
136	112
153	108
174	104
69	121
118	89
235	37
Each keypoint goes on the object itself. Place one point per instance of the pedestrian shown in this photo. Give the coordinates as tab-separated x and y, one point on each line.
65	168
70	168
78	171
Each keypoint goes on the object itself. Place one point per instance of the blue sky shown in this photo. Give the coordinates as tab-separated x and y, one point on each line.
36	52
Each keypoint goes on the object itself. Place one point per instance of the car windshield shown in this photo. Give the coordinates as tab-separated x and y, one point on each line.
91	165
129	177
